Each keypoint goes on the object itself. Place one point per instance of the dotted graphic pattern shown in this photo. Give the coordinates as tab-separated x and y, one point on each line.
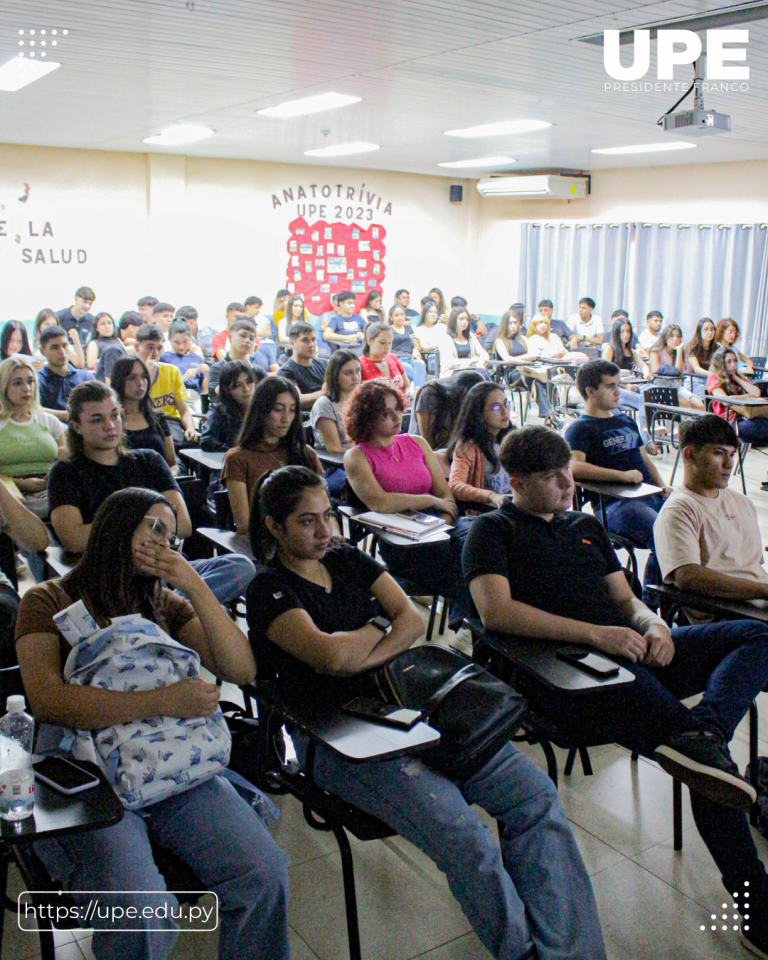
725	923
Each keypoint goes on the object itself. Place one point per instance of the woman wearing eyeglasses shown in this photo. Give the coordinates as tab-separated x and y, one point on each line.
122	571
477	475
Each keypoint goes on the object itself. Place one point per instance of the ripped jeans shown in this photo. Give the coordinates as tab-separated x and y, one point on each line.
534	891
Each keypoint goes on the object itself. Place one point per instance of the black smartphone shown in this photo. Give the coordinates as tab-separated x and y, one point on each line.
589	662
389	714
64	776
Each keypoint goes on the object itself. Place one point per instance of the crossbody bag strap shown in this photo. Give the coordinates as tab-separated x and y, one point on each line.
466	673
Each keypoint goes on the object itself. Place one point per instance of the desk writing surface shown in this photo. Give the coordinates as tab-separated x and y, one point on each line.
227	540
622	491
538	658
439	535
742	401
716	606
60	561
213	460
329	459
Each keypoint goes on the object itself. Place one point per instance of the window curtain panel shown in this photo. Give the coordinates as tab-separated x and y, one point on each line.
687	271
568	261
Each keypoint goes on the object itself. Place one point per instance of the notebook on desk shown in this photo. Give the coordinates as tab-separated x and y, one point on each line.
400	525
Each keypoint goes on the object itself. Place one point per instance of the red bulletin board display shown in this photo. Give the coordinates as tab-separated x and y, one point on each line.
326	258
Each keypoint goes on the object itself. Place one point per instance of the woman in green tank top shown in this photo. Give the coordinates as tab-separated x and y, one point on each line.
30	439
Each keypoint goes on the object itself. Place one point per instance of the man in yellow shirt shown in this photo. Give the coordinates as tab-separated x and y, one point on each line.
166	390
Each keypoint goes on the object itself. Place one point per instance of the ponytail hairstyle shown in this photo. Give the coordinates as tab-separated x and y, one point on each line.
371	331
277	494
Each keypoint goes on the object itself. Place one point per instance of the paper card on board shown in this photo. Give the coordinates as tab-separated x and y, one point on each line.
305	248
362	262
358	286
364	246
328	233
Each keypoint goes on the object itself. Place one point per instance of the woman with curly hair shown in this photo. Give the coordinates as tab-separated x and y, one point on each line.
390	472
723	381
727	332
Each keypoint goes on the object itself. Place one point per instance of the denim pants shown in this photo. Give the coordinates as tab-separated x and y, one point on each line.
533	891
755	429
634	519
416	370
227	576
628	398
542	397
214	831
729	662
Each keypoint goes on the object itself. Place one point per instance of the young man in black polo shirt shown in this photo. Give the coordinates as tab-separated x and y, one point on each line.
536	569
78	316
304	368
98	465
606	445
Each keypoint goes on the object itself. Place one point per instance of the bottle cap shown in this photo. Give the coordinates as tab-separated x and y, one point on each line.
15	704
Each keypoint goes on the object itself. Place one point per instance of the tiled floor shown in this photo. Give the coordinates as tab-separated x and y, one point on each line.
652	901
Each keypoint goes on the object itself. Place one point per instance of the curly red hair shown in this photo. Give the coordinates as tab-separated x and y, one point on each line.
369	403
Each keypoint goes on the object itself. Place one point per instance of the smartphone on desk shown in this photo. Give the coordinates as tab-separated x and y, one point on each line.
388	714
591	663
64	776
427	519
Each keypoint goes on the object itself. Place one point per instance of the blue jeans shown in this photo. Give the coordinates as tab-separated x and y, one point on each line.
227	576
728	661
542	397
634	519
628	398
533	891
416	370
335	478
755	430
232	853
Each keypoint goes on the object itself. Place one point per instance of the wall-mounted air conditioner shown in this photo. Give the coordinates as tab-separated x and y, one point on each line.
536	187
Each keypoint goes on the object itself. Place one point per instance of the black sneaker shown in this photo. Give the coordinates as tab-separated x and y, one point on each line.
699	759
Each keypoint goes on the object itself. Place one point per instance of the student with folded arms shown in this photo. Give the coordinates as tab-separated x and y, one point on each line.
310	613
707	535
536	569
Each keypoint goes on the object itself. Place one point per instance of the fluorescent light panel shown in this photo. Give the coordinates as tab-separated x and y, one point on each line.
499	129
342	150
646	148
180	133
316	104
476	164
17	73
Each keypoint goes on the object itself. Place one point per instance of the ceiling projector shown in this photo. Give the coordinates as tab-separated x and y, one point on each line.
696	123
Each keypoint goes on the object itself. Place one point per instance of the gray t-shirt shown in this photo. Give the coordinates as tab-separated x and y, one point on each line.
498	479
323	407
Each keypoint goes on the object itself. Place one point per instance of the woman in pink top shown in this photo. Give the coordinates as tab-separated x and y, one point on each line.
378	361
390	472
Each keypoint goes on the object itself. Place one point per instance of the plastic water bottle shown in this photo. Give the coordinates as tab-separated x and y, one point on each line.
17	778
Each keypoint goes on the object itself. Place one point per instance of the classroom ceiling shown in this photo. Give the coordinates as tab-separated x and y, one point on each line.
131	67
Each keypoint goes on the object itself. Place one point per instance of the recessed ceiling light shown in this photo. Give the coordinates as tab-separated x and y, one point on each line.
482	162
180	133
498	129
316	104
16	73
646	148
342	149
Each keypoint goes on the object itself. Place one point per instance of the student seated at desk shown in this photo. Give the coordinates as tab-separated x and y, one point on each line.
606	445
535	569
310	613
236	383
59	376
542	342
510	344
708	536
649	336
430	332
166	389
723	381
103	335
295	312
378	361
30	535
244	346
473	453
405	348
99	465
342	378
143	429
619	349
391	471
727	332
460	349
699	352
272	436
304	368
667	362
437	406
49	318
124	568
193	371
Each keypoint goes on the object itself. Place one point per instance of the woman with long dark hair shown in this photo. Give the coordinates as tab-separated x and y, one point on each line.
699	352
14	340
667	363
727	332
724	381
103	335
143	429
461	349
510	344
473	453
130	567
437	406
310	614
405	346
271	437
329	412
372	310
237	381
378	361
619	348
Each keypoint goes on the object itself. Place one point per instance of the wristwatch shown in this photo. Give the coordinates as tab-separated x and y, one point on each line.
382	624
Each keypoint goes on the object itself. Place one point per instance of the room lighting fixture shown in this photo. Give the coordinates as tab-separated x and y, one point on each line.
180	133
342	149
476	164
314	104
17	73
645	148
499	129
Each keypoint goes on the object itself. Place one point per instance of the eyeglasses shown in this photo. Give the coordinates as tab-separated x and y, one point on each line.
496	407
159	533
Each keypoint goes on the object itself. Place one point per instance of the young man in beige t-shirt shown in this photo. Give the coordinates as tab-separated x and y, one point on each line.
707	536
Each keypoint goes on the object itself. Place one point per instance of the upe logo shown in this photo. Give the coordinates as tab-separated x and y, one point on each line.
669	57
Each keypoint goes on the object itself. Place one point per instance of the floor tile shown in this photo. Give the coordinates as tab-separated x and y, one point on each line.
465	948
295	836
403	911
299	949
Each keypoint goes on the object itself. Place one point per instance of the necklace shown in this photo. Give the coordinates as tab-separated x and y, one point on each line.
324	573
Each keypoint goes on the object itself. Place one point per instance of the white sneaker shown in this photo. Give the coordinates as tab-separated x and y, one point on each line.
463	641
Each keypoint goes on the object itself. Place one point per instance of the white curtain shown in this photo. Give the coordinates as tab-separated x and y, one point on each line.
687	271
